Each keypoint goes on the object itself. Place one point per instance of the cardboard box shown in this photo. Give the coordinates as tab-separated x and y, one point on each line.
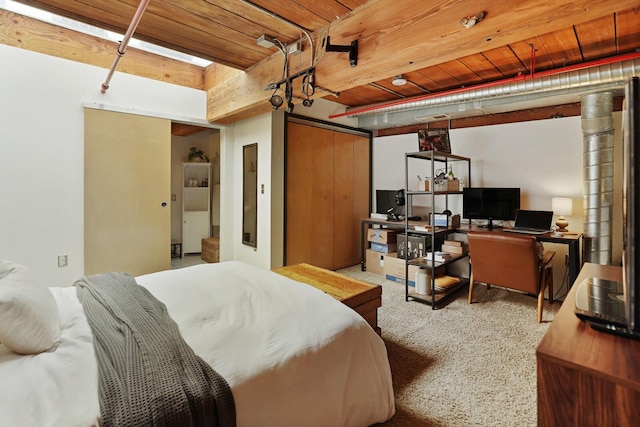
394	270
374	261
385	249
453	242
417	246
381	235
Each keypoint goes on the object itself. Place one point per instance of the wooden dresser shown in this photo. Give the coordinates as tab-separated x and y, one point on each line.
586	377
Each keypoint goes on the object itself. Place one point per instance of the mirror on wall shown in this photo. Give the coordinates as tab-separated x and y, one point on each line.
250	194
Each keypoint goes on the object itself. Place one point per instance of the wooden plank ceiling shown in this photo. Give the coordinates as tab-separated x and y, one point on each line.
225	31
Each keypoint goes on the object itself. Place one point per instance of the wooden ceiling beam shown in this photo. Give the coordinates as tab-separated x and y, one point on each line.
398	37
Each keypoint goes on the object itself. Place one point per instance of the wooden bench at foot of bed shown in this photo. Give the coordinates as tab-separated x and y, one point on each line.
363	297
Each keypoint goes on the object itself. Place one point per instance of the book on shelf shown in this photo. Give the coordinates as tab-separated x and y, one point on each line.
438	256
422	227
453	249
444	282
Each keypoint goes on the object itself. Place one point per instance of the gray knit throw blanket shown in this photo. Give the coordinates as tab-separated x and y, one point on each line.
148	375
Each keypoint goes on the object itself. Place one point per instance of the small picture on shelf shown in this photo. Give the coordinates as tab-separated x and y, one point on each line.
436	139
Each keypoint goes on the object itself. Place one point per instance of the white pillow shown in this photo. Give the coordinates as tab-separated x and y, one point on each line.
29	318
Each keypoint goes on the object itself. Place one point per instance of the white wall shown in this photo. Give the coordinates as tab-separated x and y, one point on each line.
544	158
42	151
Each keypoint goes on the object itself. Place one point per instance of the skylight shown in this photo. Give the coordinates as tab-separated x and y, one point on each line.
81	27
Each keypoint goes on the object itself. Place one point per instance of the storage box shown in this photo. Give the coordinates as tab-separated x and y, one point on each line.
381	247
440	184
417	246
211	249
394	270
374	262
453	185
381	235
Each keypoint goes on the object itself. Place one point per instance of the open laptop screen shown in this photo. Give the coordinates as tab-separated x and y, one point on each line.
533	220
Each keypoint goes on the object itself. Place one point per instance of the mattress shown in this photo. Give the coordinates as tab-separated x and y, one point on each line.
291	354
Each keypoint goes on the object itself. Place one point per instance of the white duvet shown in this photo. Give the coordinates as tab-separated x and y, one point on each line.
292	355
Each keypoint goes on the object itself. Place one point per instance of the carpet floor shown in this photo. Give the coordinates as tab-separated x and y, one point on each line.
461	365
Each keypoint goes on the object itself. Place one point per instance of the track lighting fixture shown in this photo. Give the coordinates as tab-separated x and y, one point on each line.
276	101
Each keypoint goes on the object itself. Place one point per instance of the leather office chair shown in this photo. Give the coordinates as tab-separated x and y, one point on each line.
510	261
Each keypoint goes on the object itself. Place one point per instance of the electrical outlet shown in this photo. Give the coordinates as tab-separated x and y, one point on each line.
63	260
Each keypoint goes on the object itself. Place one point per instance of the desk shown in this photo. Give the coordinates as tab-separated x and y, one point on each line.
571	240
586	377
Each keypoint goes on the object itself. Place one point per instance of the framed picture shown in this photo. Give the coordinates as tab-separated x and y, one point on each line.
436	139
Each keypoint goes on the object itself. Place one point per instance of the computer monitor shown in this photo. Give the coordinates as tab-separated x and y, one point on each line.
490	203
386	202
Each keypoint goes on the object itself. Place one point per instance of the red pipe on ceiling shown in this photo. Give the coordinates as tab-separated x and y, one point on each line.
568	68
125	42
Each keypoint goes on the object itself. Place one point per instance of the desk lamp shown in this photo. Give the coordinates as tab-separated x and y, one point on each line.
562	206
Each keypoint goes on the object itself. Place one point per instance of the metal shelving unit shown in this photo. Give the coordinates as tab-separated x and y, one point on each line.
435	160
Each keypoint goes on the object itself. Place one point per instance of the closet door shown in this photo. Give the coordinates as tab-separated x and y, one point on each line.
309	196
327	194
127	191
351	195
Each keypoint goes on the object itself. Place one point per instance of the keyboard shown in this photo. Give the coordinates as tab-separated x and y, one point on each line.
526	231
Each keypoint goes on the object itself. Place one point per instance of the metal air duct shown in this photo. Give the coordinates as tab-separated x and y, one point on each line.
597	137
553	87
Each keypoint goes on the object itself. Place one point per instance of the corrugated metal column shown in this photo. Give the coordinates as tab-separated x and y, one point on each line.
597	137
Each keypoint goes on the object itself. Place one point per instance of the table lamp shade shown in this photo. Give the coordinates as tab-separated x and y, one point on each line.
562	206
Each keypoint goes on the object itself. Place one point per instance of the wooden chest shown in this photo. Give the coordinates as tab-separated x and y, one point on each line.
363	297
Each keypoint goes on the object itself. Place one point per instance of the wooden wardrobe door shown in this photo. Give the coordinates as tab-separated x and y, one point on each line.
351	192
309	196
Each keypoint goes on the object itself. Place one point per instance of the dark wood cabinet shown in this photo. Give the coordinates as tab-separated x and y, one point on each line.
586	377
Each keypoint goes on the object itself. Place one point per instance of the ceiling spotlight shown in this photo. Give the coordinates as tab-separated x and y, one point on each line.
276	101
399	80
470	21
290	107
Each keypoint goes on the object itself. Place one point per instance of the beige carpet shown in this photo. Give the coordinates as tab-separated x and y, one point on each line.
461	365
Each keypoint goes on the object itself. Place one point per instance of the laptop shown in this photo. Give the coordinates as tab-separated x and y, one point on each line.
532	222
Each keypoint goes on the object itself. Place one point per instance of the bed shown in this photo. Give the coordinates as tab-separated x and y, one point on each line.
291	355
